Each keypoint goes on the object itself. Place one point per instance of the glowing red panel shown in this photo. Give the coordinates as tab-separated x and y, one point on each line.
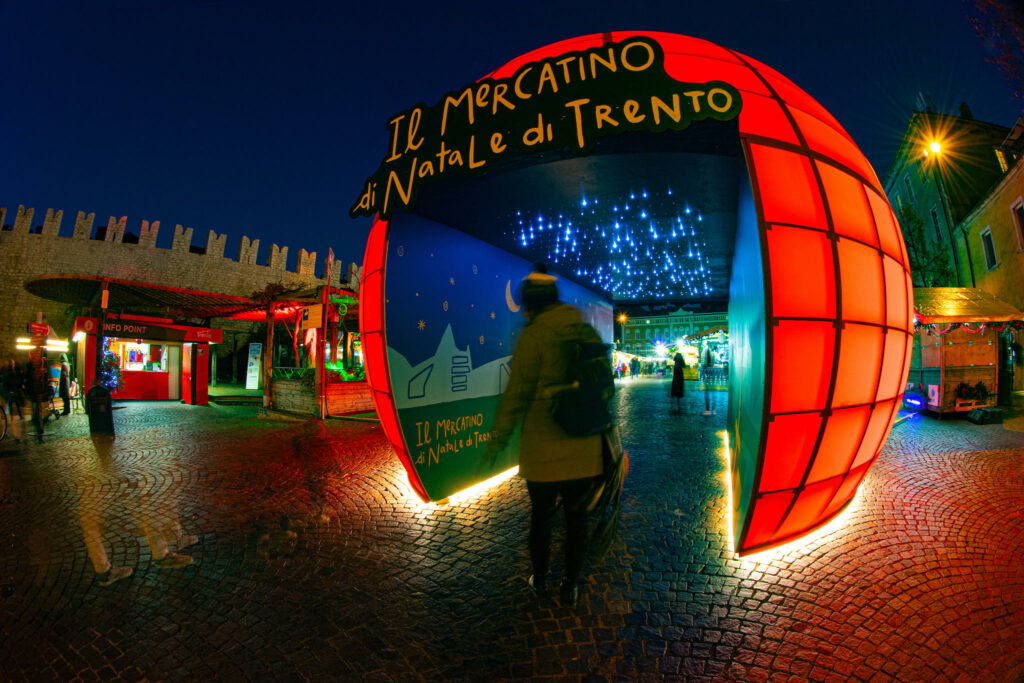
808	508
888	234
875	431
790	93
700	69
788	188
788	449
839	442
763	116
801	365
895	293
890	384
860	348
846	193
846	491
809	253
827	140
860	268
770	509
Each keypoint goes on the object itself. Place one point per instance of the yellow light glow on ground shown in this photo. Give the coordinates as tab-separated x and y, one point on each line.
481	490
800	546
471	493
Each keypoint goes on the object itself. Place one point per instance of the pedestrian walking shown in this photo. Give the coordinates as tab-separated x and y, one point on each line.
37	385
707	361
156	512
64	384
678	378
13	381
555	464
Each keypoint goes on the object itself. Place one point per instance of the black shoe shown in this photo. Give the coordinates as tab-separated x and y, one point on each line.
540	588
569	594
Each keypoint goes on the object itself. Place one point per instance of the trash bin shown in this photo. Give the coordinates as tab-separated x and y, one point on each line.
97	406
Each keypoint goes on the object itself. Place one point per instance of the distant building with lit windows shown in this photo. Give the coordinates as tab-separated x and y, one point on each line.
641	333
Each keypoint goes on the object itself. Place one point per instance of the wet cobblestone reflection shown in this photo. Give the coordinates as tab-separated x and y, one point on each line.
313	560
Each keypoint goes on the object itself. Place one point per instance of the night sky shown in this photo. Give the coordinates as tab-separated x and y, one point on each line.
264	118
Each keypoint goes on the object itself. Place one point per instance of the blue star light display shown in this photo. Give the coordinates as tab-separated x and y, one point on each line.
636	245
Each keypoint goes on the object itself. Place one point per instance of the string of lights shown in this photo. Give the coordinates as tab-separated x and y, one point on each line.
636	246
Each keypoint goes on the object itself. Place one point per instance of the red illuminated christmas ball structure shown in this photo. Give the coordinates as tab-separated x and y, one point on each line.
821	356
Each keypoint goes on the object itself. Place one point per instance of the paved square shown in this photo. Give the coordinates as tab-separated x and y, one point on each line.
315	561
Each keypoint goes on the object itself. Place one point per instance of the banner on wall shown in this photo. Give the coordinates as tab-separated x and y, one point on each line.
453	317
252	367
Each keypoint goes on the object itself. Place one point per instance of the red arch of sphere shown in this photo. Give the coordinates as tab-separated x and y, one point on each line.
838	297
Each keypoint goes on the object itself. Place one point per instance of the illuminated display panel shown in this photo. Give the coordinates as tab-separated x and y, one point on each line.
830	331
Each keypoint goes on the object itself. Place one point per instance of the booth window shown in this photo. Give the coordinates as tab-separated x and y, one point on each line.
140	357
989	247
935	223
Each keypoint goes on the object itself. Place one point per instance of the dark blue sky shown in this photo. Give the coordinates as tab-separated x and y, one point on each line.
263	118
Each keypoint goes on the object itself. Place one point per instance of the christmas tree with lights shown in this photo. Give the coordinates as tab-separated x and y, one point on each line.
110	369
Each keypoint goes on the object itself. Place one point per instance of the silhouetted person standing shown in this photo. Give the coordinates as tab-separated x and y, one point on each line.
64	384
678	378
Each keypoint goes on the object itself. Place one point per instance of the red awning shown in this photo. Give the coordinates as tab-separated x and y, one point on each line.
169	302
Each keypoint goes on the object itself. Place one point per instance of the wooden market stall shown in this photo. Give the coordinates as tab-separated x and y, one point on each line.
955	363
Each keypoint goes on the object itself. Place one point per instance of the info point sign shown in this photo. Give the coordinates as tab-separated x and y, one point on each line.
820	302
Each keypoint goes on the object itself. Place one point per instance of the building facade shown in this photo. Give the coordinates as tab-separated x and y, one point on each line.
640	334
945	165
28	249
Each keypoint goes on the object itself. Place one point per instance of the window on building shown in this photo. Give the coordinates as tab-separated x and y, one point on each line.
990	249
1001	158
935	224
1017	208
909	189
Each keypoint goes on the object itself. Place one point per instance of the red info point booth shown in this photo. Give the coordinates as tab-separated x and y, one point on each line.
159	359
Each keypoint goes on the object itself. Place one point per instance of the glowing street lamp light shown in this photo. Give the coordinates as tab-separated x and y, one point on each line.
935	147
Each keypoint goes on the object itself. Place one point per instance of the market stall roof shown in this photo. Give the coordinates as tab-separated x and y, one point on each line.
152	299
710	331
960	305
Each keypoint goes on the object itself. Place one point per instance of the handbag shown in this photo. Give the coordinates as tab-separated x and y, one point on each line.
606	495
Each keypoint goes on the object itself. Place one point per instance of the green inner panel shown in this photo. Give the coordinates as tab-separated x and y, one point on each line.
747	347
447	443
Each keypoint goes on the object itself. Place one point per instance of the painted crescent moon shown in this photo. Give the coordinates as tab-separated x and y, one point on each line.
512	306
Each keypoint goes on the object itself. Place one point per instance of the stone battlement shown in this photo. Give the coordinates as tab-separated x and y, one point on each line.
29	250
182	242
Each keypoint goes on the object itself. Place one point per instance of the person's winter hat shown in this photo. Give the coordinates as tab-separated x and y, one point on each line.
538	290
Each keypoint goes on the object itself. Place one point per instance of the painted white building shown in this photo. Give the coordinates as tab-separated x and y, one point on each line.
639	334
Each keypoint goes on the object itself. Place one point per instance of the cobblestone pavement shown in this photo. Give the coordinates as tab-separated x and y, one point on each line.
314	561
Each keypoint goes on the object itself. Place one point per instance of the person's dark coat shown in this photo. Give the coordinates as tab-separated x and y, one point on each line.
539	368
678	378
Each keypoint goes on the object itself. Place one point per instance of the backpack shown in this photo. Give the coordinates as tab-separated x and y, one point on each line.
581	408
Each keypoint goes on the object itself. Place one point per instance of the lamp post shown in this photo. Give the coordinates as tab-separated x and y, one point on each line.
935	151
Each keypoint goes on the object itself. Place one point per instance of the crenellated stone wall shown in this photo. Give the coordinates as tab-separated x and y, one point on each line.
29	249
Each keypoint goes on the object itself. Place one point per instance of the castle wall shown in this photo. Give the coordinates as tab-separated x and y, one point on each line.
25	253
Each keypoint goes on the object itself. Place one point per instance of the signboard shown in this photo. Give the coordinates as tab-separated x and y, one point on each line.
312	317
452	320
153	331
38	329
563	102
252	368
